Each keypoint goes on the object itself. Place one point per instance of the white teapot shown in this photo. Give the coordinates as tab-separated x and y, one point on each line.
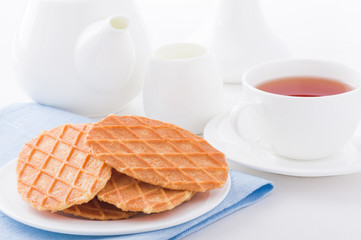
83	56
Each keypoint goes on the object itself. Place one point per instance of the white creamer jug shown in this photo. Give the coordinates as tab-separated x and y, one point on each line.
84	56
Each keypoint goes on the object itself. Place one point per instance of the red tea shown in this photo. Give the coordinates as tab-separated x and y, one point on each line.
304	86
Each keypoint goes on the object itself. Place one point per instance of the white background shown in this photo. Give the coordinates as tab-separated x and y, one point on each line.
312	28
298	208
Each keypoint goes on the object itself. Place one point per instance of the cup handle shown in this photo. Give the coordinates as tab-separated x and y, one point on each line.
236	112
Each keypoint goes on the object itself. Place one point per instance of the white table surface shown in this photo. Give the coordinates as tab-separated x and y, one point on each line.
298	208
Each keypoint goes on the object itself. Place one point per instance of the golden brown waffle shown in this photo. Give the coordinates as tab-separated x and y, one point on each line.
98	210
56	171
158	153
130	194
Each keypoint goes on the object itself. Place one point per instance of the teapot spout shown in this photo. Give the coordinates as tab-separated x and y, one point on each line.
104	54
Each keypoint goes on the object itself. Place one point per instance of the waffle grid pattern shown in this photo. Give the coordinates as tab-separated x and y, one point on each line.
158	153
53	181
95	209
130	194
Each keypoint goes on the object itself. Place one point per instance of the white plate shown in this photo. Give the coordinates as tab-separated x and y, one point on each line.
220	134
12	205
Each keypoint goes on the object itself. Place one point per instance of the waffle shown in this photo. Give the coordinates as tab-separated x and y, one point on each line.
98	210
56	171
130	194
158	153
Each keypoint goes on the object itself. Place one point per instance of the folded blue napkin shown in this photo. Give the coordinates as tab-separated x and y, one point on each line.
21	122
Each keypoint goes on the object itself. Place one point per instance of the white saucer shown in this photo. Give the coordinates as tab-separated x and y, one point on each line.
219	133
12	205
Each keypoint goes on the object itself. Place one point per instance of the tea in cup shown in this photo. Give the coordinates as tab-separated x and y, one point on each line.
304	109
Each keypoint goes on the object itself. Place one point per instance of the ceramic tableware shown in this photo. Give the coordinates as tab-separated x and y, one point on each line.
240	38
220	133
104	54
303	128
183	86
86	57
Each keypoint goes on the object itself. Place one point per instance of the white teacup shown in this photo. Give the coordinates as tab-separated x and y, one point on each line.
303	128
183	86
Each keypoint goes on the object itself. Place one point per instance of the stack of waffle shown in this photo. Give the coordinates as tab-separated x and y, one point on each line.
117	168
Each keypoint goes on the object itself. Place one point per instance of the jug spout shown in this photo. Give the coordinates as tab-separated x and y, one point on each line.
104	54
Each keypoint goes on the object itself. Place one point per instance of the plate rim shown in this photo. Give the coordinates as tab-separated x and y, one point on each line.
210	134
221	194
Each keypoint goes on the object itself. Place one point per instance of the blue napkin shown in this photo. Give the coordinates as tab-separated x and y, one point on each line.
21	122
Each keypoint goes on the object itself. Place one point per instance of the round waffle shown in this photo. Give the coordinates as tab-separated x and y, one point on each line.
98	210
56	171
158	153
130	194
